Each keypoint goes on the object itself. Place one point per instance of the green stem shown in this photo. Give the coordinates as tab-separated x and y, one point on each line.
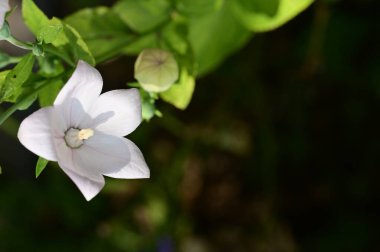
20	44
49	49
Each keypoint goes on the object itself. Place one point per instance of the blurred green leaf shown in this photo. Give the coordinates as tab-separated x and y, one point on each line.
40	166
143	15
77	47
49	66
99	22
102	29
180	93
48	94
265	15
175	35
12	85
141	43
198	7
25	103
215	36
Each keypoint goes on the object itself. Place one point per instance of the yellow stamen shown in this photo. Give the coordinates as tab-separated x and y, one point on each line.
85	134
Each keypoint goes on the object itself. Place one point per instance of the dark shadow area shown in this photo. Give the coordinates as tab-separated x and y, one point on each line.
277	152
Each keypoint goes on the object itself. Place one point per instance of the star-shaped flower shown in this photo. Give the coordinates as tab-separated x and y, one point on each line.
4	7
84	132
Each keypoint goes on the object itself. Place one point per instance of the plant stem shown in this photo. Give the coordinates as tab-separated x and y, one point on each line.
20	44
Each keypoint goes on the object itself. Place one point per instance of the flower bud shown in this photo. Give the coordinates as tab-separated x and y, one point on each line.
156	70
38	50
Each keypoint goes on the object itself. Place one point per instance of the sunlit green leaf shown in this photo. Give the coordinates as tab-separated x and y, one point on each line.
143	15
15	78
49	32
265	15
40	166
34	18
68	39
180	93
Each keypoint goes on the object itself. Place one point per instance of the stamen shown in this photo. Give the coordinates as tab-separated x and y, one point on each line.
85	134
74	138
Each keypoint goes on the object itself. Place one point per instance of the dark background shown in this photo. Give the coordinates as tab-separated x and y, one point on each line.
278	151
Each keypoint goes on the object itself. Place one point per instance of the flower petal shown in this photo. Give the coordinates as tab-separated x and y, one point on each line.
89	182
36	135
89	188
102	153
80	92
136	168
4	7
116	112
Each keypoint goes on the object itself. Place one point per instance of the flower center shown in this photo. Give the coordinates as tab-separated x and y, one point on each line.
74	138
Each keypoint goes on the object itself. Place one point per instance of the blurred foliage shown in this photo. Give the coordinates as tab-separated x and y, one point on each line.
278	150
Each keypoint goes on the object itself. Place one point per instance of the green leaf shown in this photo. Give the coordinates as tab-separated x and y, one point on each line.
143	15
143	42
26	103
48	94
29	94
49	66
77	47
180	93
6	59
103	31
40	166
61	35
215	36
265	15
198	7
12	87
34	18
175	35
50	32
3	75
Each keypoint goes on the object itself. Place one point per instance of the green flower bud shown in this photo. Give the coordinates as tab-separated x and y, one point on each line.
38	50
156	70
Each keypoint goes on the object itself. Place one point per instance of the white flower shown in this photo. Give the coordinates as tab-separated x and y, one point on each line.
156	70
4	7
84	132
